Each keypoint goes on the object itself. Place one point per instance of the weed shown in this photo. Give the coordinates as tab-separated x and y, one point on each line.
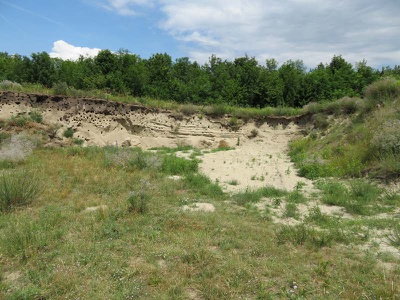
188	109
18	188
137	200
317	217
173	165
78	142
223	145
297	235
291	211
19	121
394	237
253	133
233	123
36	116
356	199
233	182
69	133
202	185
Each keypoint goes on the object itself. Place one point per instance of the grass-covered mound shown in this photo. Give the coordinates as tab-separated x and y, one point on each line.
353	137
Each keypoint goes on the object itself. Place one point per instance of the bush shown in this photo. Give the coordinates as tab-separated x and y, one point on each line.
60	88
36	116
382	91
320	121
19	121
137	202
350	105
387	138
69	133
18	188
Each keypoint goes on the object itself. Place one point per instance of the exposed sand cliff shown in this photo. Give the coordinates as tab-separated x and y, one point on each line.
259	157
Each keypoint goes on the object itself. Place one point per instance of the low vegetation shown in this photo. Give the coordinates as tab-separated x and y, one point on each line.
108	222
360	141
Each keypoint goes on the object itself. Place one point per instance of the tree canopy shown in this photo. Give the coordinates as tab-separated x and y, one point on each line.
242	82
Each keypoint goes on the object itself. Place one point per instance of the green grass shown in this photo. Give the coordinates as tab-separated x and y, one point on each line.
360	197
60	250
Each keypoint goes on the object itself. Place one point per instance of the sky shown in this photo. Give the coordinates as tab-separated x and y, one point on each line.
310	30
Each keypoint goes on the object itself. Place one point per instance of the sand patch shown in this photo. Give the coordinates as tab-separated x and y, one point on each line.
96	208
202	207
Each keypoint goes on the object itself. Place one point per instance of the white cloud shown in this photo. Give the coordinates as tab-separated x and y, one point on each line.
66	51
125	7
311	30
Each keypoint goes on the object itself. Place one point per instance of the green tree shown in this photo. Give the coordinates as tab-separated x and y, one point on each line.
292	74
159	67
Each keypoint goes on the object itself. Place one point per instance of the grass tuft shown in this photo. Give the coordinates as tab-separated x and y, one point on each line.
18	188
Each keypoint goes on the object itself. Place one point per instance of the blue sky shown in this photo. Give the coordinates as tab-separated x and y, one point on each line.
311	30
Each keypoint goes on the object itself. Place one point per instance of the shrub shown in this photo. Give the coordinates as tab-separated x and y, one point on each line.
320	121
223	144
18	188
19	121
137	202
382	91
394	237
253	133
60	88
350	105
69	133
17	148
36	116
387	138
188	109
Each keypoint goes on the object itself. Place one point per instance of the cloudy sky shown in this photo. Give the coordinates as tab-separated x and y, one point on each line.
311	30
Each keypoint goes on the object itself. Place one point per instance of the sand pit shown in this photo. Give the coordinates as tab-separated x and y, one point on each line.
259	156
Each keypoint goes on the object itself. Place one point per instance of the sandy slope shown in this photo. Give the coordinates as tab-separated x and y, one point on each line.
255	162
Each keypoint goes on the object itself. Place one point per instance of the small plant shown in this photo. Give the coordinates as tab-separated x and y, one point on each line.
253	133
53	130
233	182
78	142
233	123
223	144
36	116
188	109
19	121
18	188
291	211
394	237
68	133
137	201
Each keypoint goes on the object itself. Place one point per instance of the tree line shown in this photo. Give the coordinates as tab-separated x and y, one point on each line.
242	82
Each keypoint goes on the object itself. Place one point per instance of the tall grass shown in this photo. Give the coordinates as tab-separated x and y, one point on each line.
18	188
